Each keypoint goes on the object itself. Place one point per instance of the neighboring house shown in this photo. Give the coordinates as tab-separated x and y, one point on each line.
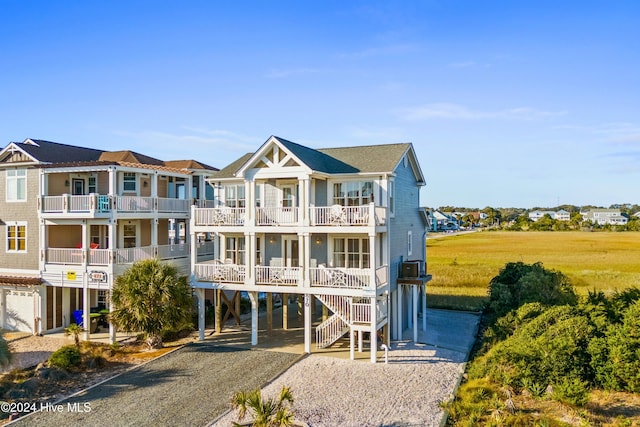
637	214
332	225
560	215
443	221
605	216
75	218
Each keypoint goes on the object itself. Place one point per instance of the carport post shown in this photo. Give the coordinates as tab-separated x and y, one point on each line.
201	319
424	308
253	297
415	313
307	323
86	316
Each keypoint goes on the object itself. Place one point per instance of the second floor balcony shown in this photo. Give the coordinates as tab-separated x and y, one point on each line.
101	205
284	276
335	215
104	257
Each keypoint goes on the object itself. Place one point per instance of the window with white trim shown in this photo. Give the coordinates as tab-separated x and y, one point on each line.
17	237
353	193
16	185
129	182
103	298
93	186
351	252
409	243
235	250
234	196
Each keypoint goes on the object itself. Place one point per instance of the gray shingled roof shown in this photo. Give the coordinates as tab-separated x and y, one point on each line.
358	159
53	152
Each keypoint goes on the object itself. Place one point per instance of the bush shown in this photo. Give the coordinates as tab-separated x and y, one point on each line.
65	357
519	283
571	391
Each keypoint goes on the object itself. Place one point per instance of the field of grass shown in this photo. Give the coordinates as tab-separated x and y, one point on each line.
462	265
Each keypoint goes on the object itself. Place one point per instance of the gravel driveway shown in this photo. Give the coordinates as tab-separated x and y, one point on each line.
188	387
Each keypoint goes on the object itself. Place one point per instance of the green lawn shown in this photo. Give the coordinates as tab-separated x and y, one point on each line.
462	265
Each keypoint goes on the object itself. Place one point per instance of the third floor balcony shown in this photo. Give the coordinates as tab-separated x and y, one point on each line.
101	205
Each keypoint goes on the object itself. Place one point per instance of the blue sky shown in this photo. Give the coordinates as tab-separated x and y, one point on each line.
507	103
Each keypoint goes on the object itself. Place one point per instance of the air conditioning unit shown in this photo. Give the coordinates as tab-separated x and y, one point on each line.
410	269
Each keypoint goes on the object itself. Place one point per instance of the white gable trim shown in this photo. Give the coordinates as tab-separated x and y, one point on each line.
413	162
13	147
283	156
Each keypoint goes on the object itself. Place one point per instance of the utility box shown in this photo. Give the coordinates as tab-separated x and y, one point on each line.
410	269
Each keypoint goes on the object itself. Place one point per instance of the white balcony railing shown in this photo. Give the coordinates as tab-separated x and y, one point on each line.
64	256
342	215
99	256
277	216
217	272
173	205
173	251
205	248
75	203
131	255
283	276
219	216
361	312
352	278
134	204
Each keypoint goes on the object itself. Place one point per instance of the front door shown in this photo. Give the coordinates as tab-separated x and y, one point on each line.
77	188
290	251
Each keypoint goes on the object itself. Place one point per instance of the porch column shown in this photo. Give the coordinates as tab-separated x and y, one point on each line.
253	257
424	307
374	330
250	197
269	312
112	327
307	323
253	297
352	349
305	199
305	258
201	313
285	311
86	317
415	312
85	245
154	185
360	339
218	302
399	316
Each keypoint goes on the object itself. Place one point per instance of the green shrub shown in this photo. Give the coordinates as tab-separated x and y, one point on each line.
624	351
571	391
519	283
65	357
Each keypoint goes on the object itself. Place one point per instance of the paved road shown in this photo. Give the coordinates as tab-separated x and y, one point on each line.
189	387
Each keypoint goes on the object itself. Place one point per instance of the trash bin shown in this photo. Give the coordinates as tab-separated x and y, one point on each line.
77	316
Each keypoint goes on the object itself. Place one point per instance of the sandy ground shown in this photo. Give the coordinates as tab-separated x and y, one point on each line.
337	392
28	350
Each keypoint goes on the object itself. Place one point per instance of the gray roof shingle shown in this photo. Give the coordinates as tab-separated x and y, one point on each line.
54	152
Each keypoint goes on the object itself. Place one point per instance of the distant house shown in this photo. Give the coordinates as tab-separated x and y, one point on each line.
604	216
443	221
560	215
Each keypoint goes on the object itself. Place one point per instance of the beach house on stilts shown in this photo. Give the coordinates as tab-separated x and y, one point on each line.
340	226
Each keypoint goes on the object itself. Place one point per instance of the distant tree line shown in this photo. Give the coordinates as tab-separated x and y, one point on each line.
517	219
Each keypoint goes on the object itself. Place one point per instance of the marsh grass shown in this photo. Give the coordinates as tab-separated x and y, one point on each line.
462	265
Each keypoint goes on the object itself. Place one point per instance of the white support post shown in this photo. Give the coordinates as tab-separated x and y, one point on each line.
424	308
307	323
253	297
86	316
374	331
399	313
360	340
415	313
201	314
352	350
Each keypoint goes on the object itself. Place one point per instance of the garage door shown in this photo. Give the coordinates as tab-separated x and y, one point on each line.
19	311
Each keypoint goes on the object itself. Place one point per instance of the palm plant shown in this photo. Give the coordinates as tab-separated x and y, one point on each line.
75	330
151	297
271	412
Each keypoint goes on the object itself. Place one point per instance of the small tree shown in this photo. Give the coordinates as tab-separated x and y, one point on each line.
75	331
151	297
266	413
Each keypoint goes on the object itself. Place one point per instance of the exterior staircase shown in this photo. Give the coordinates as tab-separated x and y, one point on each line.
338	324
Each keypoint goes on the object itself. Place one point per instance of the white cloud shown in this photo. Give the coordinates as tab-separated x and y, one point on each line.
460	112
